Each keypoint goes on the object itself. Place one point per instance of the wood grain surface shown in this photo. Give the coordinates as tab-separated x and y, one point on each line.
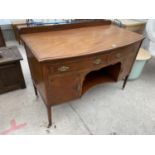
78	42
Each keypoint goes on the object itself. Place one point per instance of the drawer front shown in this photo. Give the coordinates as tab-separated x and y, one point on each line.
65	67
81	64
120	54
100	60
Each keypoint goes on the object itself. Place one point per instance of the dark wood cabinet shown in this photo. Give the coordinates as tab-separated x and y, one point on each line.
2	41
11	76
65	62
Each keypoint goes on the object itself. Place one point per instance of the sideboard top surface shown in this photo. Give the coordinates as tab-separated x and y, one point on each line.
78	42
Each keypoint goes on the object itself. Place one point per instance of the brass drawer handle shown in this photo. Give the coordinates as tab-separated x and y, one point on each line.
97	61
63	68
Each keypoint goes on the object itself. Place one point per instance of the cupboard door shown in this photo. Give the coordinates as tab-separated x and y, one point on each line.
63	88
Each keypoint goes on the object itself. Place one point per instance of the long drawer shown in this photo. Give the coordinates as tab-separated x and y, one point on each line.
81	64
87	63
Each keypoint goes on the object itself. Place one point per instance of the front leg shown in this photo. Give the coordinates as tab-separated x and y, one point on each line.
35	90
49	113
125	81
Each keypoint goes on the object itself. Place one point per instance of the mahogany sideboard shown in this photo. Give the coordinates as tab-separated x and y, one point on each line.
68	60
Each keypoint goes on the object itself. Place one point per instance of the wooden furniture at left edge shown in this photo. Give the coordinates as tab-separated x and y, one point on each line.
68	60
11	76
2	41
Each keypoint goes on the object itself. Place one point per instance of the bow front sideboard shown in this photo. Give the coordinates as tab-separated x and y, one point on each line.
67	60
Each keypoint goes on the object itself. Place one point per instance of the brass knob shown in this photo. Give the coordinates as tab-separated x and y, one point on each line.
97	61
63	68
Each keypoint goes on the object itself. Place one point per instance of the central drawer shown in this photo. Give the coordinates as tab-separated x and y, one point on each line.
80	64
